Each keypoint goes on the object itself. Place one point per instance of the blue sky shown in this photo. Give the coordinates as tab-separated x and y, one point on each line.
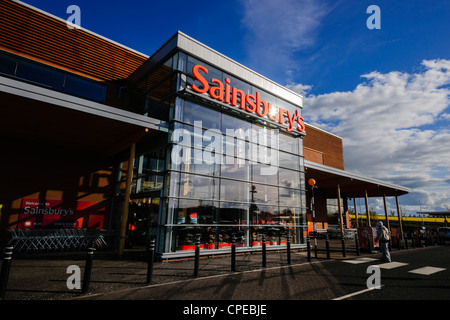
384	91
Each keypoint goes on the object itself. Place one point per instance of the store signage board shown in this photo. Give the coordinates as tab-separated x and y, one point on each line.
249	103
52	214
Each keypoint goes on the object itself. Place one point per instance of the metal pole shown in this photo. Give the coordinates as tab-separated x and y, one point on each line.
288	245
308	246
343	247
313	207
197	257
6	266
151	260
327	243
358	252
264	250
88	270
233	253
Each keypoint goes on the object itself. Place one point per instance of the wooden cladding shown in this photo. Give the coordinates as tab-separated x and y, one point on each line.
323	148
35	35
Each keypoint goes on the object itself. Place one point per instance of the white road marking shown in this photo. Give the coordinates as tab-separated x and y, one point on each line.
392	265
359	260
427	270
356	293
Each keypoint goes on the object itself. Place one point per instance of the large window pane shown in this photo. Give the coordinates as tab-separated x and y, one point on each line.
231	190
210	119
265	215
240	169
262	194
290	197
265	173
289	178
196	211
233	213
198	187
288	143
289	161
234	126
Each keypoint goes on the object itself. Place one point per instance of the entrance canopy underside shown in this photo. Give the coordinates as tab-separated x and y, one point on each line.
46	116
351	185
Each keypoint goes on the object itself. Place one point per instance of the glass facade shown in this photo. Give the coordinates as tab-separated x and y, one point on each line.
225	174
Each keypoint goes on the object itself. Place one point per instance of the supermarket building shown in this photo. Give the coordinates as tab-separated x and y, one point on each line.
183	144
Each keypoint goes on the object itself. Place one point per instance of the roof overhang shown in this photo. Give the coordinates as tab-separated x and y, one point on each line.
351	185
34	114
435	213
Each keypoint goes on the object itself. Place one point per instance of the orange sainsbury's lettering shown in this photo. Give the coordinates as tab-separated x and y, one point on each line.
248	102
200	78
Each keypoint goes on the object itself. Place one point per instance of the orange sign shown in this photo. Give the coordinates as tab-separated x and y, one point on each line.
248	102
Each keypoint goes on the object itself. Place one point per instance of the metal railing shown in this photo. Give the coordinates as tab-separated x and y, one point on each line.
27	241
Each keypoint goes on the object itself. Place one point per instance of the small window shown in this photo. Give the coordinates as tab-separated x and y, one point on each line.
85	88
40	74
7	64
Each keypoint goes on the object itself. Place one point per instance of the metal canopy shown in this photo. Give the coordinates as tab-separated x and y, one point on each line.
351	185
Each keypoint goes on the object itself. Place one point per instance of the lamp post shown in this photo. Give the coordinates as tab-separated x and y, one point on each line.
312	183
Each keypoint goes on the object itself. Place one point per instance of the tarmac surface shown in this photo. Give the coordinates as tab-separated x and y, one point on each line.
44	276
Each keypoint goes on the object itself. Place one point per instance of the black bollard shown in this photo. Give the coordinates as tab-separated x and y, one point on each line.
264	250
358	251
288	248
6	266
88	270
406	240
308	247
233	253
151	260
343	247
327	244
197	257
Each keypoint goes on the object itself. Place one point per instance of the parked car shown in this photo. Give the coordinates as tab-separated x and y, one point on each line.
444	232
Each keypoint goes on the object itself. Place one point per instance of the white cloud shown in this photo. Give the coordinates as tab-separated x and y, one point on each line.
278	29
395	127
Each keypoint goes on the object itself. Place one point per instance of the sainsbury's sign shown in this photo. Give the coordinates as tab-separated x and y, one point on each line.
248	102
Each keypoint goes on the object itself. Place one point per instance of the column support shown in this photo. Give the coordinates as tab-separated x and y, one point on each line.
386	213
399	217
356	213
126	199
341	222
367	208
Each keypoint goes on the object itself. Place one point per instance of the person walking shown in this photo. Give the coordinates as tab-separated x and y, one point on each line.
383	238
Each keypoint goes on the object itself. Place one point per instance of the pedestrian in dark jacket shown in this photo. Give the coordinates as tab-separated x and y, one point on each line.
383	238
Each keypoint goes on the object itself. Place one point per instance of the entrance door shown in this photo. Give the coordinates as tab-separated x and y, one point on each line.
143	219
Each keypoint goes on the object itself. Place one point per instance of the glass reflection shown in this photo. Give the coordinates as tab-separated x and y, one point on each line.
198	187
231	190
